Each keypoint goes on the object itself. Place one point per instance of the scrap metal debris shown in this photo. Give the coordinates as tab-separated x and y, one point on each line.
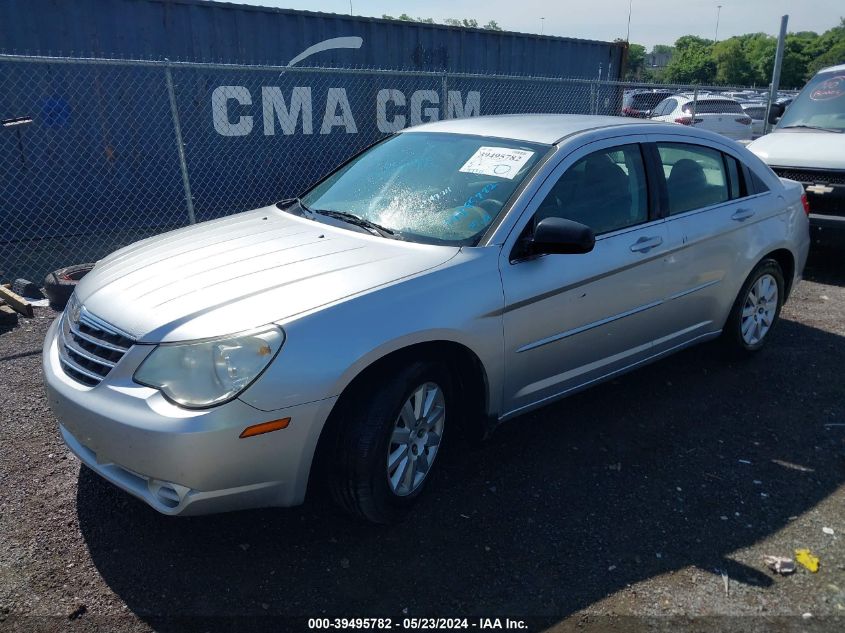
780	564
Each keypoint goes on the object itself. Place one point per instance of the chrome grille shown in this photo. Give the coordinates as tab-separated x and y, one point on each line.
811	176
88	347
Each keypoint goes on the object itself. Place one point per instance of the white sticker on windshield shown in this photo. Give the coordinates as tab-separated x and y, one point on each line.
497	161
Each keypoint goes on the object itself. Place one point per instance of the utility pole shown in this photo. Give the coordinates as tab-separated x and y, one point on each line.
718	14
350	7
542	24
628	34
773	94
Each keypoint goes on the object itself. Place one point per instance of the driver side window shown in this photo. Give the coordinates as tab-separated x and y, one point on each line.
605	190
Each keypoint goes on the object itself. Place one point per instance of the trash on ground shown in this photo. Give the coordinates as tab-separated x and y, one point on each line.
780	564
793	466
27	288
806	558
828	530
744	461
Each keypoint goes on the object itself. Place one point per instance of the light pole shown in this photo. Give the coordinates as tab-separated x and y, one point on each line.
628	34
718	13
542	24
350	7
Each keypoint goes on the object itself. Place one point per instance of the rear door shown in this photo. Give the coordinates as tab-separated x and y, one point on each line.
712	225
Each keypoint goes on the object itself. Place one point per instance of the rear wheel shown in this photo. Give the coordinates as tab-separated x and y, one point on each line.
391	432
757	308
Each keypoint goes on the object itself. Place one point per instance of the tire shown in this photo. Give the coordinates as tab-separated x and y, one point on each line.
60	284
373	417
750	335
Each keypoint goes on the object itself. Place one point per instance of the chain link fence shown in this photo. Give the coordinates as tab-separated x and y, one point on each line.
96	154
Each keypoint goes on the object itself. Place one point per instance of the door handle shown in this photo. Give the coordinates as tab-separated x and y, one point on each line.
645	244
741	215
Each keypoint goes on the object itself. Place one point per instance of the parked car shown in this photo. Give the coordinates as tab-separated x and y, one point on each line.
451	277
757	112
639	104
808	145
718	114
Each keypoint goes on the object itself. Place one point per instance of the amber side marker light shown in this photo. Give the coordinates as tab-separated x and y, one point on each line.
265	427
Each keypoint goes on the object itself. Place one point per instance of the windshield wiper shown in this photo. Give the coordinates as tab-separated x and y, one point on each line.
287	203
812	127
356	220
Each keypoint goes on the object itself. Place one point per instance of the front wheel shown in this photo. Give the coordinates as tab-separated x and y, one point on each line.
388	440
757	308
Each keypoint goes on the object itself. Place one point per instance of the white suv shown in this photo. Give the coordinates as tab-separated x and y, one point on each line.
715	113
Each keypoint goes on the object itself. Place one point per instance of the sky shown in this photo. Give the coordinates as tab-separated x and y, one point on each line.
652	21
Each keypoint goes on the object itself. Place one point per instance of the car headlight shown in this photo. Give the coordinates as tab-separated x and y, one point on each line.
206	373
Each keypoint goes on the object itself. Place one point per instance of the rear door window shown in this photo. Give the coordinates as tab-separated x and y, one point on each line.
695	176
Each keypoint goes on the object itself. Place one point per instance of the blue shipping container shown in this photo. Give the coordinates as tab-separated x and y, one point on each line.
195	30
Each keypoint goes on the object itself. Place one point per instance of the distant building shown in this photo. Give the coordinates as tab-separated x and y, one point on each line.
658	60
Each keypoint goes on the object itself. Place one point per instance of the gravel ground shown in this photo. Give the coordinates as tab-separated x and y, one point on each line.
626	507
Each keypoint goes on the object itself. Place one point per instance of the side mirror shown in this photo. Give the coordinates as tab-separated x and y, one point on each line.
556	236
776	112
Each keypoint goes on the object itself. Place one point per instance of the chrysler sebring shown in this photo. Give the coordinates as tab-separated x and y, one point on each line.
448	278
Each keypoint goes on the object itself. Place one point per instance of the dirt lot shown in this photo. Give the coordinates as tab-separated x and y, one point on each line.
626	507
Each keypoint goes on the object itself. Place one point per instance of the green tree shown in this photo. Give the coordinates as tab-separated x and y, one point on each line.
692	61
732	66
467	23
827	50
635	64
492	25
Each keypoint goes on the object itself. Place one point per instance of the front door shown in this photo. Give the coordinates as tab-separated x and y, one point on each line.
572	319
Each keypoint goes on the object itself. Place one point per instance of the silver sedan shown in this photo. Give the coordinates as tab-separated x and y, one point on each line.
449	278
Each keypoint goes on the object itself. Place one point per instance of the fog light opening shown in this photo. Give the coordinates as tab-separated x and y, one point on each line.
166	494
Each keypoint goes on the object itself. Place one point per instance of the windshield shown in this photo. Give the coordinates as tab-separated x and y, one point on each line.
429	187
821	104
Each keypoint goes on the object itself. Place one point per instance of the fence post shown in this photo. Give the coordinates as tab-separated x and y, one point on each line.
593	99
773	90
444	94
694	105
180	146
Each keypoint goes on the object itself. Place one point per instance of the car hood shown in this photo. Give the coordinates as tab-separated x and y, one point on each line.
241	272
801	148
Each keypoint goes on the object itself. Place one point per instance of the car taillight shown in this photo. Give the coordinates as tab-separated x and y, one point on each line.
744	120
806	203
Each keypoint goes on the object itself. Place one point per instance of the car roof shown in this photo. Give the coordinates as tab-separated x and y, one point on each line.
834	69
533	128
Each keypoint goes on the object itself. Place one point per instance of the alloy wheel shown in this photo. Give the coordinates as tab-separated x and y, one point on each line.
758	312
415	439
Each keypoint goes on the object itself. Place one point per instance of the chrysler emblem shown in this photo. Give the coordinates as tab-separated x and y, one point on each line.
819	189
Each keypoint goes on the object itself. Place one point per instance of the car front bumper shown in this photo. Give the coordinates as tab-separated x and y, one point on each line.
182	461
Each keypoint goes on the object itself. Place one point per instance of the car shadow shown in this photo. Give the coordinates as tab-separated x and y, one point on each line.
643	475
825	264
